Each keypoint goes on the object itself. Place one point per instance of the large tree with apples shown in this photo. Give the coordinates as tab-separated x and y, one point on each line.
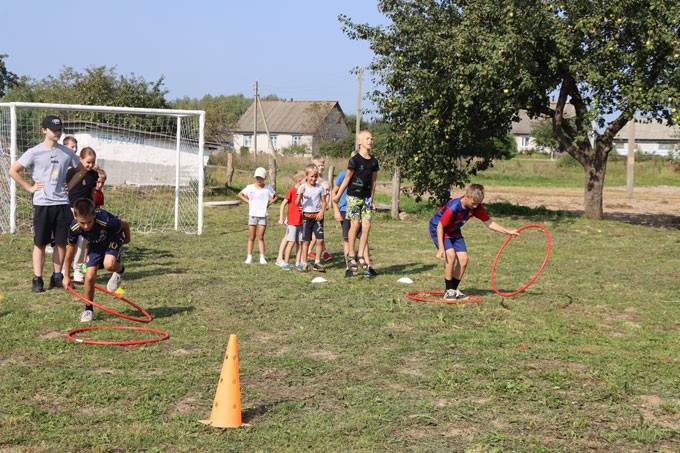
452	75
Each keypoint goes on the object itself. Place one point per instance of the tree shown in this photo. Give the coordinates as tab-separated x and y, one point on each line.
98	85
7	78
542	133
456	73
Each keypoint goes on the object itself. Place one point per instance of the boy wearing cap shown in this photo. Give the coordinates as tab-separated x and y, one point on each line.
52	216
258	196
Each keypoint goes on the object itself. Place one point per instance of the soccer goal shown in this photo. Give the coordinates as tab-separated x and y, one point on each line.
153	158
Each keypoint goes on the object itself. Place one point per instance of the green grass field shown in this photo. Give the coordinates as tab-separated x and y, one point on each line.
585	359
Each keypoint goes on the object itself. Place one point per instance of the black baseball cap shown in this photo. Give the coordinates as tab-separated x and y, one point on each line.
52	122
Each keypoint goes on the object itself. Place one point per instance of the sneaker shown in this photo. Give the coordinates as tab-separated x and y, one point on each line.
115	280
372	271
298	266
311	256
454	294
318	267
349	273
249	259
262	260
38	285
326	256
285	266
86	316
56	280
78	276
280	263
305	268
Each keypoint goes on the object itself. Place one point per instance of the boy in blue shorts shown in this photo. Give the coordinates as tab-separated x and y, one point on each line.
445	231
105	234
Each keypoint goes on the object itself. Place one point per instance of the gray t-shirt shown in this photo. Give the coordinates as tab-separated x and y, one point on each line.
312	198
49	165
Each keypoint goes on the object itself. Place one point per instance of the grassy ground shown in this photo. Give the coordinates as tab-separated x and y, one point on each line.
585	359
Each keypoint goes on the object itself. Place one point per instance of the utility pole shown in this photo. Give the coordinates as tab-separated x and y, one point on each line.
360	73
255	120
630	165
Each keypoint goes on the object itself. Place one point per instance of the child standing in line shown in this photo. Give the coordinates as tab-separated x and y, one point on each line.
340	211
71	142
294	225
312	197
445	232
98	194
84	189
258	196
362	172
106	235
320	163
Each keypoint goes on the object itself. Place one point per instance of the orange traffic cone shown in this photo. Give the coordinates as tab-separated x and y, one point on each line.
226	411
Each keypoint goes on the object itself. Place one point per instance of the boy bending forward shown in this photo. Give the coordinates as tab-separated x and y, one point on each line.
105	234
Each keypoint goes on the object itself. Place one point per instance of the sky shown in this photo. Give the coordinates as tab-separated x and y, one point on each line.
295	49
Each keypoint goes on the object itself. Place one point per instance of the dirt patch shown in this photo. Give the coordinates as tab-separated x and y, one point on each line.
657	206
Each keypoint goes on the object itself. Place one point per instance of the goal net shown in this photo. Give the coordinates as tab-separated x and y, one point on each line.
153	158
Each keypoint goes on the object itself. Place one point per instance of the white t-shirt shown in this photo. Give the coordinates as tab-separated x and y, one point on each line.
258	199
312	197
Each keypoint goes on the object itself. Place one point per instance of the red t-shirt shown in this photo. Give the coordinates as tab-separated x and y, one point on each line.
294	211
98	198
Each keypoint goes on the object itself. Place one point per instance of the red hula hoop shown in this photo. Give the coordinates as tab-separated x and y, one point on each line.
415	295
163	336
533	279
113	312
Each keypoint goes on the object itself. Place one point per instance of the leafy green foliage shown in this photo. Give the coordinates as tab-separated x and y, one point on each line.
455	74
222	113
7	78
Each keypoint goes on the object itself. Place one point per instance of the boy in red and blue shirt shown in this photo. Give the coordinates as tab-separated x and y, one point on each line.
445	232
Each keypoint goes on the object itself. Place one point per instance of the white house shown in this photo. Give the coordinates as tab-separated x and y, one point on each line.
651	137
521	130
304	123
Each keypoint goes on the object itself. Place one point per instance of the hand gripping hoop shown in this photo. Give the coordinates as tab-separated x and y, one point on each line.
545	260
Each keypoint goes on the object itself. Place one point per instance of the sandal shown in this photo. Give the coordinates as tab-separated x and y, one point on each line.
362	262
352	264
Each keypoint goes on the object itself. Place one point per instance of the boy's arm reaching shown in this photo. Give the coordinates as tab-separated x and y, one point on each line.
125	228
497	227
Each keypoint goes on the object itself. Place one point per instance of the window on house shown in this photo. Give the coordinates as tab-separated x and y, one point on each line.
248	141
525	141
274	137
297	140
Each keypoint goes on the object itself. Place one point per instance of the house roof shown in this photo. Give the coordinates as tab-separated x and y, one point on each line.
523	125
301	117
650	130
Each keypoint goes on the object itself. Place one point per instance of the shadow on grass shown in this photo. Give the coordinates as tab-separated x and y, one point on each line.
412	268
166	312
248	415
6	312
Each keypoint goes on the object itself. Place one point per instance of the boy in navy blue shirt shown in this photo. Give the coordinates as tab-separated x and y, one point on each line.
105	234
445	232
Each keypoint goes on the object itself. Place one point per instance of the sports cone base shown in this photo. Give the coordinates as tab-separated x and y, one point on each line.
226	410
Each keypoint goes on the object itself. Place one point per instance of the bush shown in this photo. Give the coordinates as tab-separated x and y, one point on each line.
567	161
295	150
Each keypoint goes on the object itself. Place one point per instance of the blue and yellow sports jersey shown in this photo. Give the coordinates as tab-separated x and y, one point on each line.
107	228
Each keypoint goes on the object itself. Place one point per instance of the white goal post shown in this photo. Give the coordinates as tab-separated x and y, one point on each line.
154	160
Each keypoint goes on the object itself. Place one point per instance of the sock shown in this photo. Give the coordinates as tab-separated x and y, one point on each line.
456	282
449	284
89	307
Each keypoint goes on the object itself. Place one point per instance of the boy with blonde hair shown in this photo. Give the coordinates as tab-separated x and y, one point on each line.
445	232
312	198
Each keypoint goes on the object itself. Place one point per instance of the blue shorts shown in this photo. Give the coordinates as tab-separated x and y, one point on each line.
96	254
457	244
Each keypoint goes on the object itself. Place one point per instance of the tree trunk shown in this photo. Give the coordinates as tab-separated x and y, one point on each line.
594	188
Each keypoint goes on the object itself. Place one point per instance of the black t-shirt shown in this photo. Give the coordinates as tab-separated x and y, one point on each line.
84	188
361	183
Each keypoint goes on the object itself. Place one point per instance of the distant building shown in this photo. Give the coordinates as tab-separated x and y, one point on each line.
304	123
521	131
651	137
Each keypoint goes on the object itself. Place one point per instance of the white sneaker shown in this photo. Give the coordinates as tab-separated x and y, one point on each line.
115	281
249	259
262	260
454	294
78	276
86	316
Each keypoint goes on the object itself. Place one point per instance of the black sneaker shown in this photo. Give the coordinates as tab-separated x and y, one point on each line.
349	273
372	272
318	267
56	280
38	285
